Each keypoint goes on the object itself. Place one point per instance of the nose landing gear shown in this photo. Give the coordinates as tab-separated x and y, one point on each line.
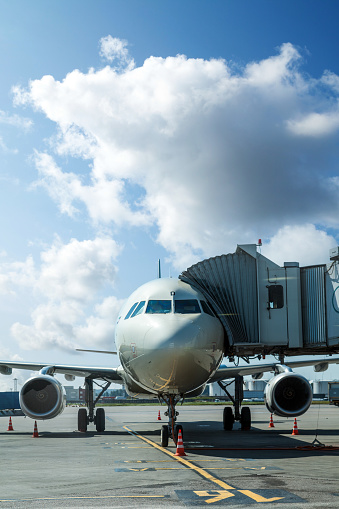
170	430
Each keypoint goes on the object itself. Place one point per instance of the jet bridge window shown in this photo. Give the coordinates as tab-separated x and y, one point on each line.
159	306
187	306
131	310
139	309
275	297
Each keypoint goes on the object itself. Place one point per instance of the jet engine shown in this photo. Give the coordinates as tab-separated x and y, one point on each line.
288	395
42	397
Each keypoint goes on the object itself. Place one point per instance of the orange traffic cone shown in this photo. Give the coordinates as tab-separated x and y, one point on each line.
271	425
295	428
159	418
35	432
180	446
10	425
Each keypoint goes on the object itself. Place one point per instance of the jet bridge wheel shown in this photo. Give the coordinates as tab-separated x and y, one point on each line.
82	420
245	418
164	436
100	420
228	418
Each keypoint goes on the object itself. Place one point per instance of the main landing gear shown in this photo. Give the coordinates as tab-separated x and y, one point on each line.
99	418
243	415
170	430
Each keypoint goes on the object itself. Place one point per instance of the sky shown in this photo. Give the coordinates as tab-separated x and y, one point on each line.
138	130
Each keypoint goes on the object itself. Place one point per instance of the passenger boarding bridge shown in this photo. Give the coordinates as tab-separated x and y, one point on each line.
268	309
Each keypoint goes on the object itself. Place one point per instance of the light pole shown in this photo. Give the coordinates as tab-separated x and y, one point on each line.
15	380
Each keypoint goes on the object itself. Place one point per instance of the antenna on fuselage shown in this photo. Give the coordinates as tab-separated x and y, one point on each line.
159	269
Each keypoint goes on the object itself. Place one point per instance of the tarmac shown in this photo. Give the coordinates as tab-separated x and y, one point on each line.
125	466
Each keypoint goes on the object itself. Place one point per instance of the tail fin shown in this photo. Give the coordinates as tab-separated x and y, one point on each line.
159	269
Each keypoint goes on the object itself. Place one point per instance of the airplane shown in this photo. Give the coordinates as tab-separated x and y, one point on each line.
170	345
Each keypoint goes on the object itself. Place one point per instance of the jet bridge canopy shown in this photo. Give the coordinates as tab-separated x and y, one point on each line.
229	282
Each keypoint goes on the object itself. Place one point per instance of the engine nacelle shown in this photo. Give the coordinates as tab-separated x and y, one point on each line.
42	397
288	395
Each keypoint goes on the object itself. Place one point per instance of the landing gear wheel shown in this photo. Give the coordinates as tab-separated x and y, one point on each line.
164	436
245	418
82	420
176	431
228	418
100	420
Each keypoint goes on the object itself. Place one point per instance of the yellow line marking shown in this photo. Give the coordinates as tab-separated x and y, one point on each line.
259	498
134	447
222	495
236	468
188	464
139	469
182	468
203	473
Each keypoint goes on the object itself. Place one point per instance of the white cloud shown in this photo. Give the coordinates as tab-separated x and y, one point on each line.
316	124
275	69
301	243
99	328
70	280
114	49
5	149
16	274
104	197
15	120
77	270
209	155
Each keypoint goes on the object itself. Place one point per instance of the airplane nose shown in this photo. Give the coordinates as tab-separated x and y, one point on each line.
179	357
176	334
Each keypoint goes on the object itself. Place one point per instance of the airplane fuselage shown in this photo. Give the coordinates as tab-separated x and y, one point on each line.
168	339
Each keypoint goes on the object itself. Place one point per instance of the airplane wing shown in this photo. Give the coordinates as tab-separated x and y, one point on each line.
223	373
111	374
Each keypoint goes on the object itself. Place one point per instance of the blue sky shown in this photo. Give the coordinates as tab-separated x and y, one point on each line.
135	130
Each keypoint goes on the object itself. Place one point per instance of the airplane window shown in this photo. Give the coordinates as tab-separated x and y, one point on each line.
159	306
139	309
131	310
206	308
186	306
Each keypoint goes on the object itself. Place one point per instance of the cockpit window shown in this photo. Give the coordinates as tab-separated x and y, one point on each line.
186	307
139	309
131	310
159	306
206	308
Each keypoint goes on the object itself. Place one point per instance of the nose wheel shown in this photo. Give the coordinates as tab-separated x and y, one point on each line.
164	436
170	430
